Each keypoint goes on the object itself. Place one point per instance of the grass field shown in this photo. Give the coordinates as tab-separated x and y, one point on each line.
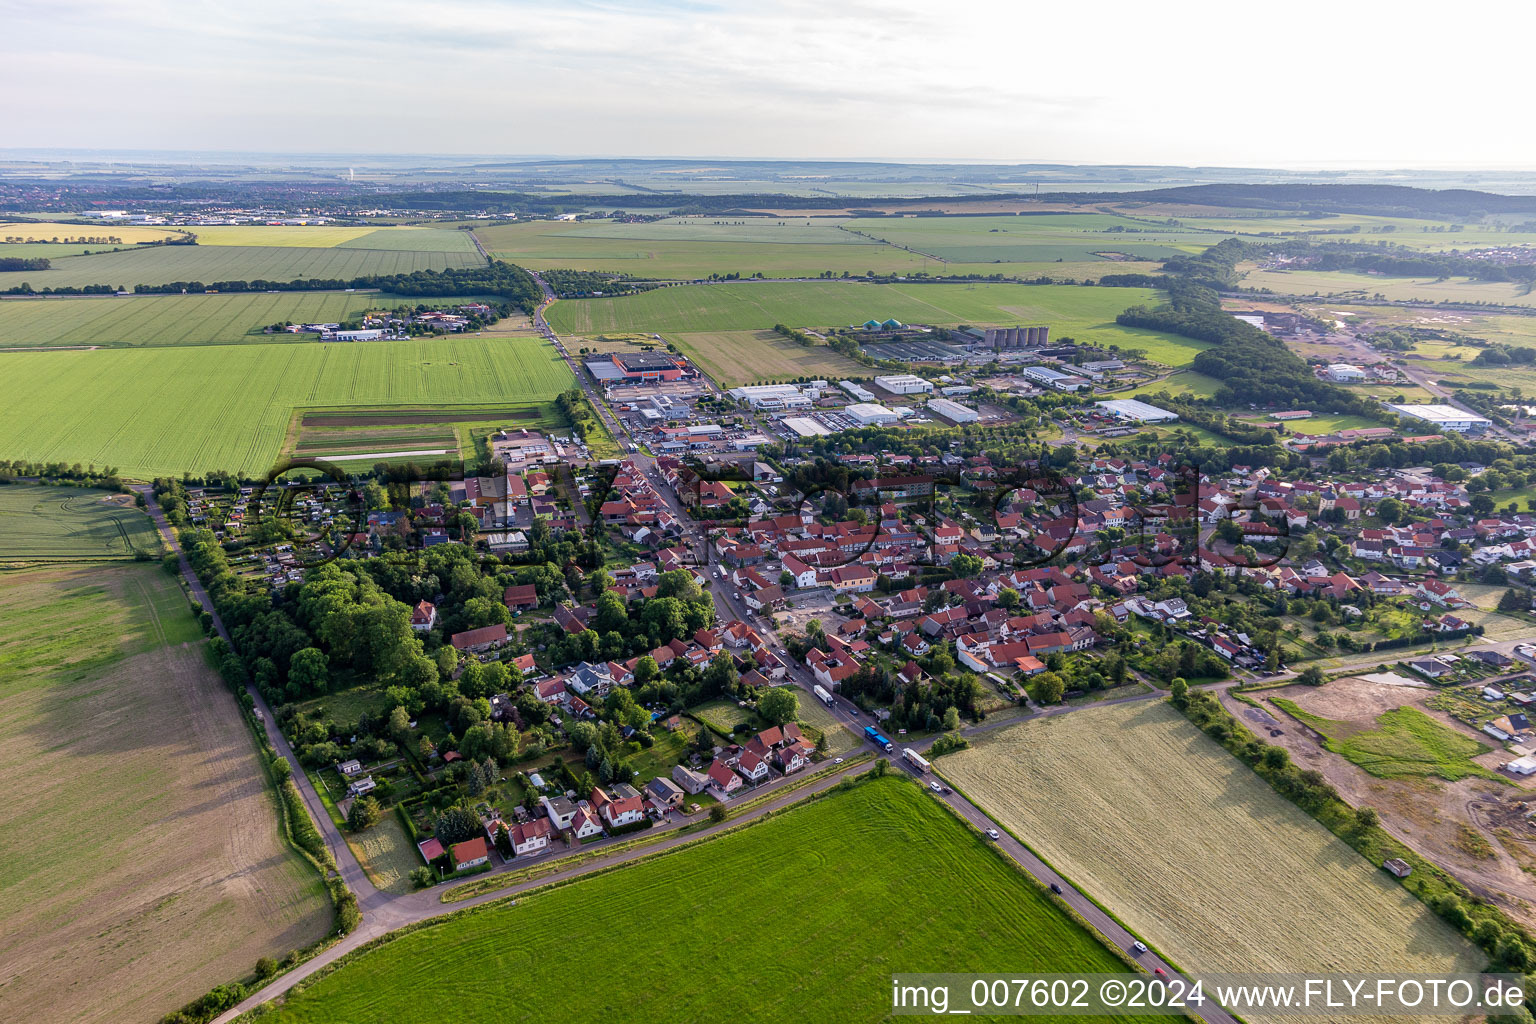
722	715
143	863
814	714
738	357
167	410
1184	382
872	881
166	320
164	264
71	524
1042	239
386	853
1087	314
1406	744
1194	851
1327	424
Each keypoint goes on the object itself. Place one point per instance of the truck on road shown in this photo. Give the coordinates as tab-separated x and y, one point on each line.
915	759
873	735
822	695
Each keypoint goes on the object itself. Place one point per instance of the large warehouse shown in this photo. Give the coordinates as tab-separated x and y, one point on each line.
1136	411
867	414
773	396
1445	417
953	411
904	384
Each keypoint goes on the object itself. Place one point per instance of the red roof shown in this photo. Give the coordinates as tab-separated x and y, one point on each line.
431	849
470	850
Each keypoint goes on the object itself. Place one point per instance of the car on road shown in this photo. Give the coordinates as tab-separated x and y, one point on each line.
1055	888
993	834
935	787
1138	947
738	596
837	760
1160	971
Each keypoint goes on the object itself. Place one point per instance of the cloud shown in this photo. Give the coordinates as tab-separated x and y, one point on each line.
1114	82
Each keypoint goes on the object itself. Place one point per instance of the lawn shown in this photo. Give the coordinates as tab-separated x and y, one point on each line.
1084	313
143	864
164	264
1196	852
56	524
170	320
722	715
1407	743
161	411
740	357
871	881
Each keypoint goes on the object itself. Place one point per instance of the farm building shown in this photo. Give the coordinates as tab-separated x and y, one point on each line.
1137	411
1446	417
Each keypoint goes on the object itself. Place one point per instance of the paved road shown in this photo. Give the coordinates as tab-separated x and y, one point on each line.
368	896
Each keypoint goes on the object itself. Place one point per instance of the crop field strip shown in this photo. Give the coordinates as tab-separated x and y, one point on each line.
1204	858
1085	313
118	737
1032	239
739	357
61	524
153	412
912	885
163	264
129	234
173	320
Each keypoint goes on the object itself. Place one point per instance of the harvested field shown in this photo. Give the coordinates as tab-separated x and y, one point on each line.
733	358
1426	814
122	755
59	524
912	887
88	234
1194	851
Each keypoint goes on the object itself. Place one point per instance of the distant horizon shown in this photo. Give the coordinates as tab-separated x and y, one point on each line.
274	157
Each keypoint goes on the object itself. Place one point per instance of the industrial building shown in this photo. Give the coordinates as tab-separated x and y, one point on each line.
953	411
1053	378
866	414
775	396
1137	411
858	391
804	426
904	384
1344	373
1445	417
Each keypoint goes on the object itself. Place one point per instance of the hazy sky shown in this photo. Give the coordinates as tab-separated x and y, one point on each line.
1299	84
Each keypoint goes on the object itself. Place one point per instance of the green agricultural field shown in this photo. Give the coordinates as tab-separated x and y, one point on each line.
156	320
1194	851
161	411
163	264
689	248
1084	313
1347	284
72	524
415	240
739	357
913	890
118	740
1407	743
1036	239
